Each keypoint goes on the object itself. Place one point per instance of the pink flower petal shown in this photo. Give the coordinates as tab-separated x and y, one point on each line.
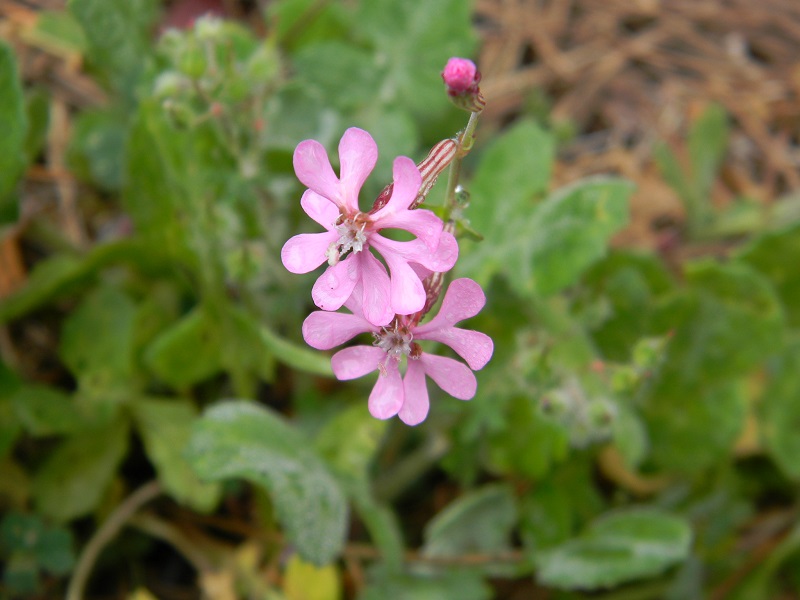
313	169
336	284
305	252
415	402
415	251
356	361
358	154
453	377
462	300
407	292
325	330
444	257
319	208
473	346
376	290
407	181
422	223
387	395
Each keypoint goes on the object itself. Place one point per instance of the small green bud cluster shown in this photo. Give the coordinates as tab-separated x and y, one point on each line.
220	72
588	419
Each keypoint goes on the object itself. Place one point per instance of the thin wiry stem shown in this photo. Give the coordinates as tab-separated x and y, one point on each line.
107	532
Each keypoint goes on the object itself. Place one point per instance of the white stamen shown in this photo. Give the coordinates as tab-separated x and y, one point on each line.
351	237
395	341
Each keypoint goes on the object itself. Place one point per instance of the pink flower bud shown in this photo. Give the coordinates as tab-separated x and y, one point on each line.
461	78
460	74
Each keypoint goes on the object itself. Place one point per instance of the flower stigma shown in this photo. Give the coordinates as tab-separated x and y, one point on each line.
351	237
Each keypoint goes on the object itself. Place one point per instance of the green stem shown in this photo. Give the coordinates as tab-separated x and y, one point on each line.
465	140
408	471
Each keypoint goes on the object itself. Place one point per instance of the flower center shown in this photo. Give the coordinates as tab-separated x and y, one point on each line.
352	237
397	340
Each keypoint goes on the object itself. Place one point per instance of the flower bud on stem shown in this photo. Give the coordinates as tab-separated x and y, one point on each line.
464	141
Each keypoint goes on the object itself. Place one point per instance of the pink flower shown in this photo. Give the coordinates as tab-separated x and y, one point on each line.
459	75
349	233
407	395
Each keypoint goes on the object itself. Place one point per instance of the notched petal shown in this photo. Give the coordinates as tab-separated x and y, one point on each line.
325	330
305	252
336	284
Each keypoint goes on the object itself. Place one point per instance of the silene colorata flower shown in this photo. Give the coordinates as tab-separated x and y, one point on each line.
350	233
396	354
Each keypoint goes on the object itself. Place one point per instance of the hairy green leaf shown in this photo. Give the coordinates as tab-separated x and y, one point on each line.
187	352
781	411
775	255
165	427
478	522
240	439
73	479
118	37
617	548
97	340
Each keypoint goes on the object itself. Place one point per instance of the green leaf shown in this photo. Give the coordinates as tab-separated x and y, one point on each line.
240	439
781	411
478	522
326	64
514	170
381	522
48	279
617	548
674	175
50	547
13	128
540	247
38	116
547	517
97	340
165	427
529	444
73	479
19	531
304	581
776	255
59	32
14	483
728	321
65	274
708	141
21	575
350	440
692	428
118	36
571	230
444	584
187	352
296	113
623	288
295	356
54	551
630	435
161	182
97	147
47	411
412	41
296	23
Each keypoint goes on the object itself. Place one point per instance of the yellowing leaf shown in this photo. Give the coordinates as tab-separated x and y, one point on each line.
304	581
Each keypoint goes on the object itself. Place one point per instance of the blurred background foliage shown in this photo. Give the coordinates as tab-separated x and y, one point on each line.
165	432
